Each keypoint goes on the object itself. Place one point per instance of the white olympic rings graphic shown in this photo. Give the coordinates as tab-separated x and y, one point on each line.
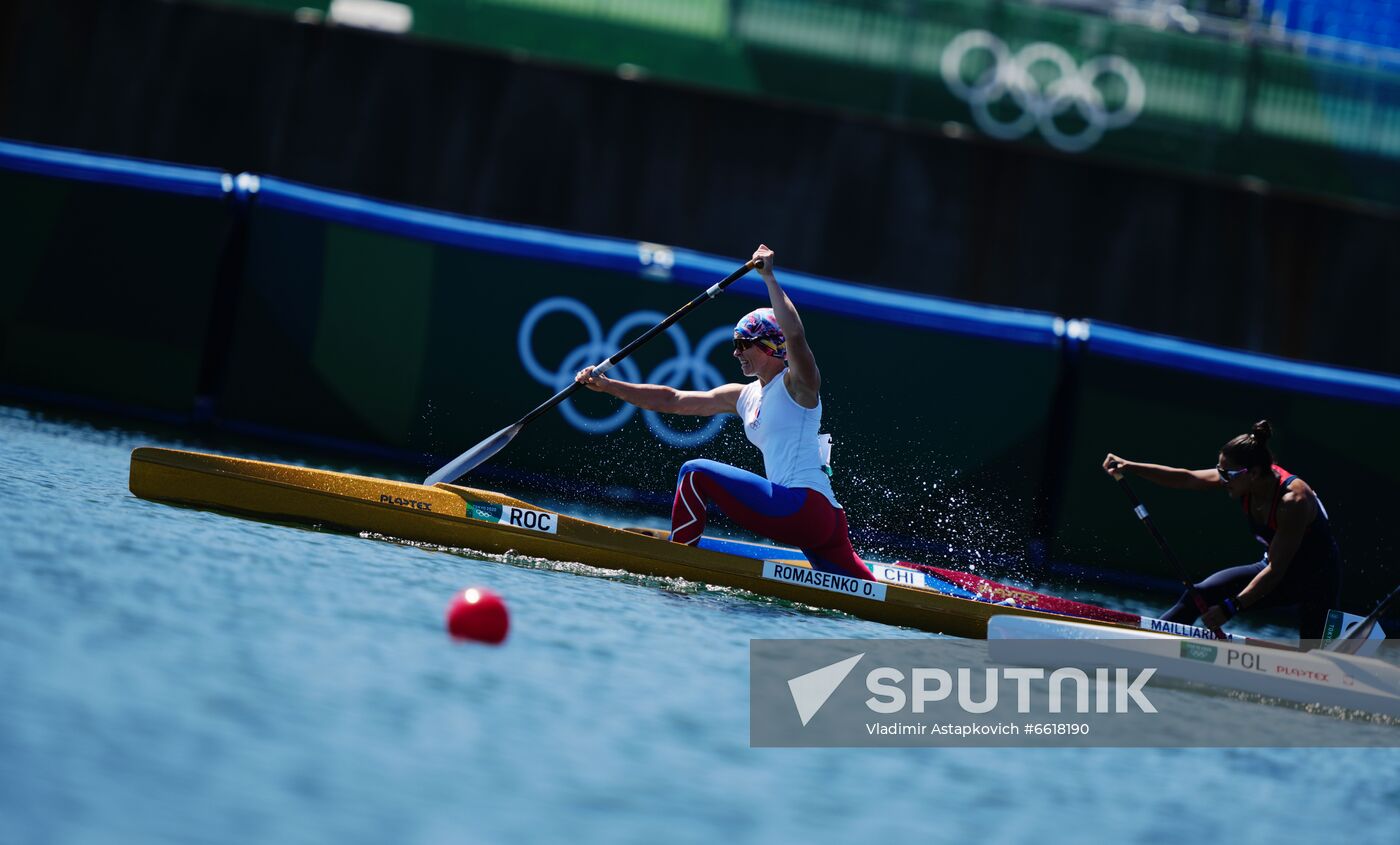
688	365
1040	104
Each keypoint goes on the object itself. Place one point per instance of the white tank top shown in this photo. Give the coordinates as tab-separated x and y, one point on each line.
786	434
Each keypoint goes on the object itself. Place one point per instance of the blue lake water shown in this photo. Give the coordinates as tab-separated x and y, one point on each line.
172	675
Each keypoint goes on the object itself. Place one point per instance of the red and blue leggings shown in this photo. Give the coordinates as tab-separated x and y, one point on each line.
794	516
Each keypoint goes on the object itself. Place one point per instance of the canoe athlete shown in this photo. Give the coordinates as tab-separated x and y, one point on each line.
781	411
1302	565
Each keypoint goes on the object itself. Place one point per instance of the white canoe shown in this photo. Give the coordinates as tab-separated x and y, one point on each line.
1311	677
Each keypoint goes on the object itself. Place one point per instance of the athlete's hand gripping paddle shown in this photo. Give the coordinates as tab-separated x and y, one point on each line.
1142	514
483	451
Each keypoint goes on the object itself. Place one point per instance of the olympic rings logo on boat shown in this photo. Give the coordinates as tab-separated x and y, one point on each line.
689	364
1040	103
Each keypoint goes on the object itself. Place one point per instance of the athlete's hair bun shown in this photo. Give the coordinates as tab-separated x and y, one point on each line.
1251	450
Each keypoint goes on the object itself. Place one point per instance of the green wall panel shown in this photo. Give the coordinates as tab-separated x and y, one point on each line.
106	291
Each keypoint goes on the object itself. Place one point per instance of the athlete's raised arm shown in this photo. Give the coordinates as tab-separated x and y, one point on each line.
804	380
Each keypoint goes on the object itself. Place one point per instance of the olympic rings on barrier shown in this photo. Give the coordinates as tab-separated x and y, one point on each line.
1040	104
687	365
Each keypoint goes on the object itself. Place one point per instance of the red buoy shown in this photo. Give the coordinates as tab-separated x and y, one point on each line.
478	614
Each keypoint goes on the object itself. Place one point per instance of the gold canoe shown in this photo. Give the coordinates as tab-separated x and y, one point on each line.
482	520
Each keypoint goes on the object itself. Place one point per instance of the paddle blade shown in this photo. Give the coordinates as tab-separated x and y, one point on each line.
474	457
1354	639
1351	642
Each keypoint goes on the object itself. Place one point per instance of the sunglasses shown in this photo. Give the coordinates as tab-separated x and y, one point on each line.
740	344
1228	475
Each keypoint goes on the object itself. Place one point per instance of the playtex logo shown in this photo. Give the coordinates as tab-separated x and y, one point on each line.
806	693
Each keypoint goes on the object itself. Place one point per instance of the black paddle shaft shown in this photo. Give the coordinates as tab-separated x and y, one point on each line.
1146	519
709	293
483	451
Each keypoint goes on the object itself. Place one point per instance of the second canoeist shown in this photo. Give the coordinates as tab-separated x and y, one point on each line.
782	412
1301	567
